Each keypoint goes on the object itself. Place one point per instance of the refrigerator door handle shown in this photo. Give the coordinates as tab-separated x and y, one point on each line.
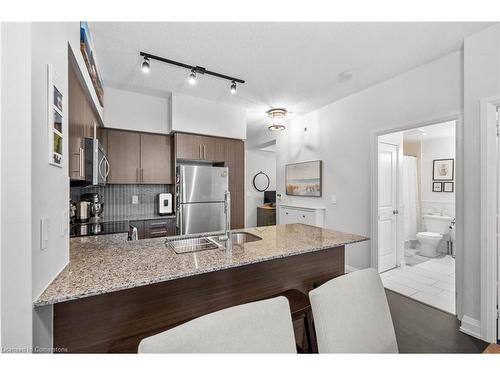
179	220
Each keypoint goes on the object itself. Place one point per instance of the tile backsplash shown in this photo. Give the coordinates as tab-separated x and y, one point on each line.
118	198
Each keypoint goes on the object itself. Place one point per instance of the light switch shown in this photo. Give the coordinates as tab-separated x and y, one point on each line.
135	199
334	199
44	232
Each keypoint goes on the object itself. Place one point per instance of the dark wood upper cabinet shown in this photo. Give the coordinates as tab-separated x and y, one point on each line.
156	163
188	146
198	147
124	157
82	120
138	158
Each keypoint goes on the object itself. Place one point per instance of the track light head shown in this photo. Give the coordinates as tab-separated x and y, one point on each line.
192	78
233	87
146	68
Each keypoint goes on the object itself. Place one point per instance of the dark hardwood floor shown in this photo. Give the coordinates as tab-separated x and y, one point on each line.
423	329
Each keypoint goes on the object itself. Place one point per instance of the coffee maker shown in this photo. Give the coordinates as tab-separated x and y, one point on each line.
96	206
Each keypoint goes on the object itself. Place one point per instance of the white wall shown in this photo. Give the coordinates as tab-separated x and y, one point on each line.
134	111
195	115
31	188
16	256
432	149
340	133
50	184
481	80
257	161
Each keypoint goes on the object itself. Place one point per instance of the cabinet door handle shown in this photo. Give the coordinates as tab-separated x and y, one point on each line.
158	224
158	233
142	175
204	152
199	151
82	162
137	174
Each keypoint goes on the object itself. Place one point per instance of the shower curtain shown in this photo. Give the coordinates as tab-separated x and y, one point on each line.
410	196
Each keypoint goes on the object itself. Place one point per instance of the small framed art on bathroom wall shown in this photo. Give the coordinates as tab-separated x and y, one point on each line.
437	187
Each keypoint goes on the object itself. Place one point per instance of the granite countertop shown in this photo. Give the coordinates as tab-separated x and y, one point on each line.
103	264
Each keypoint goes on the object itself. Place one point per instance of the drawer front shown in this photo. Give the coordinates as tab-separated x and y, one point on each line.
305	217
288	216
292	216
159	228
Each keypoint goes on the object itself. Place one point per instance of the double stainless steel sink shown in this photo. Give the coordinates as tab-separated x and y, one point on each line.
191	245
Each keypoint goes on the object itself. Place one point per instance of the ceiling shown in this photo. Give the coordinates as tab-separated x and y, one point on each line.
294	65
442	130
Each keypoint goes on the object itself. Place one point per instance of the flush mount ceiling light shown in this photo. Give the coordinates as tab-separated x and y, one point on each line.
277	117
145	67
194	70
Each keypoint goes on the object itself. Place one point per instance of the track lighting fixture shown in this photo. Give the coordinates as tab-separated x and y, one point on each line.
194	70
192	78
146	68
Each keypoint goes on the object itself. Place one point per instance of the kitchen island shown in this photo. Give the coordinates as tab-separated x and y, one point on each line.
115	292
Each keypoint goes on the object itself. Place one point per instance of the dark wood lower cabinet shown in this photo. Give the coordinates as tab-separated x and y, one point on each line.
266	215
160	228
155	228
118	321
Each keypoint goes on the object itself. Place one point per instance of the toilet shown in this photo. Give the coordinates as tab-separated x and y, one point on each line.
437	226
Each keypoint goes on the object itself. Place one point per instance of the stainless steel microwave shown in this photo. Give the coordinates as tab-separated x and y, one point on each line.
96	162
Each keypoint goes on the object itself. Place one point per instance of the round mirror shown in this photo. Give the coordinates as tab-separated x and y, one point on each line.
261	181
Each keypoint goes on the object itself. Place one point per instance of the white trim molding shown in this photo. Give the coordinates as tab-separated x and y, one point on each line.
489	208
471	326
349	269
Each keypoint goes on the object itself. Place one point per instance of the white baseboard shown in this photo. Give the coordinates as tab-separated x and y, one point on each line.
471	326
349	269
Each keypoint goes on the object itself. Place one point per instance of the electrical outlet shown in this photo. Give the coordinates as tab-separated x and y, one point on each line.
135	199
44	232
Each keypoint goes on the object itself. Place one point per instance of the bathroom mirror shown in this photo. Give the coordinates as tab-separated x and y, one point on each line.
261	181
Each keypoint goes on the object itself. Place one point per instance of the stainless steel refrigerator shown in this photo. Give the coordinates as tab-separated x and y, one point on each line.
200	198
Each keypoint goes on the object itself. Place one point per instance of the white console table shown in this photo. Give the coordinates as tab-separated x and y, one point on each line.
290	214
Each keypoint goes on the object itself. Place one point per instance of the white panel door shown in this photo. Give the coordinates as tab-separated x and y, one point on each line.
387	206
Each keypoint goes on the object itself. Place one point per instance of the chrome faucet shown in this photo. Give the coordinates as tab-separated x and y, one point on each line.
227	211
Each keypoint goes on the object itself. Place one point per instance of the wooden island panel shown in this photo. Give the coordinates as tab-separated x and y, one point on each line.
118	321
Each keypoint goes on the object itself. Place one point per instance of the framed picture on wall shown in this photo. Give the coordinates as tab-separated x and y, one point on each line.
55	118
443	169
303	179
448	187
437	187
